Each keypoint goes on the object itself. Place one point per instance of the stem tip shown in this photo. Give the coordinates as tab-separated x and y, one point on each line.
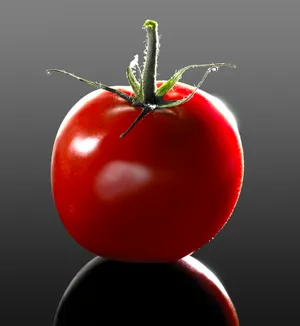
150	23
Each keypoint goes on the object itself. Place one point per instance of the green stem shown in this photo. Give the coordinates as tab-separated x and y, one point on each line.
150	67
146	95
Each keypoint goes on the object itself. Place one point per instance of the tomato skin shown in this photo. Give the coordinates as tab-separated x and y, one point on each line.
116	293
159	193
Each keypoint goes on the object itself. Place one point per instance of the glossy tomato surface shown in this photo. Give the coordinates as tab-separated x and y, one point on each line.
107	292
159	193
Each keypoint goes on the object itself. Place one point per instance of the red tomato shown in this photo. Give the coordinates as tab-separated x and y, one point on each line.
159	193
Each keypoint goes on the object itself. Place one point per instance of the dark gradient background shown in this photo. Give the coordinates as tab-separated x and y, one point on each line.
257	253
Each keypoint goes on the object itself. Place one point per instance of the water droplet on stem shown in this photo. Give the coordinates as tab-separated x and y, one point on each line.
214	69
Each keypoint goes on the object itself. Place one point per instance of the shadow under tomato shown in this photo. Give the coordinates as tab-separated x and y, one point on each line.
107	292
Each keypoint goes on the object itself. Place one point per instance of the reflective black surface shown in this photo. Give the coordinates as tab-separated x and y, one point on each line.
115	293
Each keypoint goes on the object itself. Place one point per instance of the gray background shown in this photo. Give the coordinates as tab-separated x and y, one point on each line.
256	255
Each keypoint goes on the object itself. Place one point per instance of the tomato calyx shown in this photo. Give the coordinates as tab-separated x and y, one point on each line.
146	95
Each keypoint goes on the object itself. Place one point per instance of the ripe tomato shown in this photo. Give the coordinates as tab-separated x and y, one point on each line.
115	293
159	193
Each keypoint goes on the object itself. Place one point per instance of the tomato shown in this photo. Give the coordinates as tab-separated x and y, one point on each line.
115	293
156	192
